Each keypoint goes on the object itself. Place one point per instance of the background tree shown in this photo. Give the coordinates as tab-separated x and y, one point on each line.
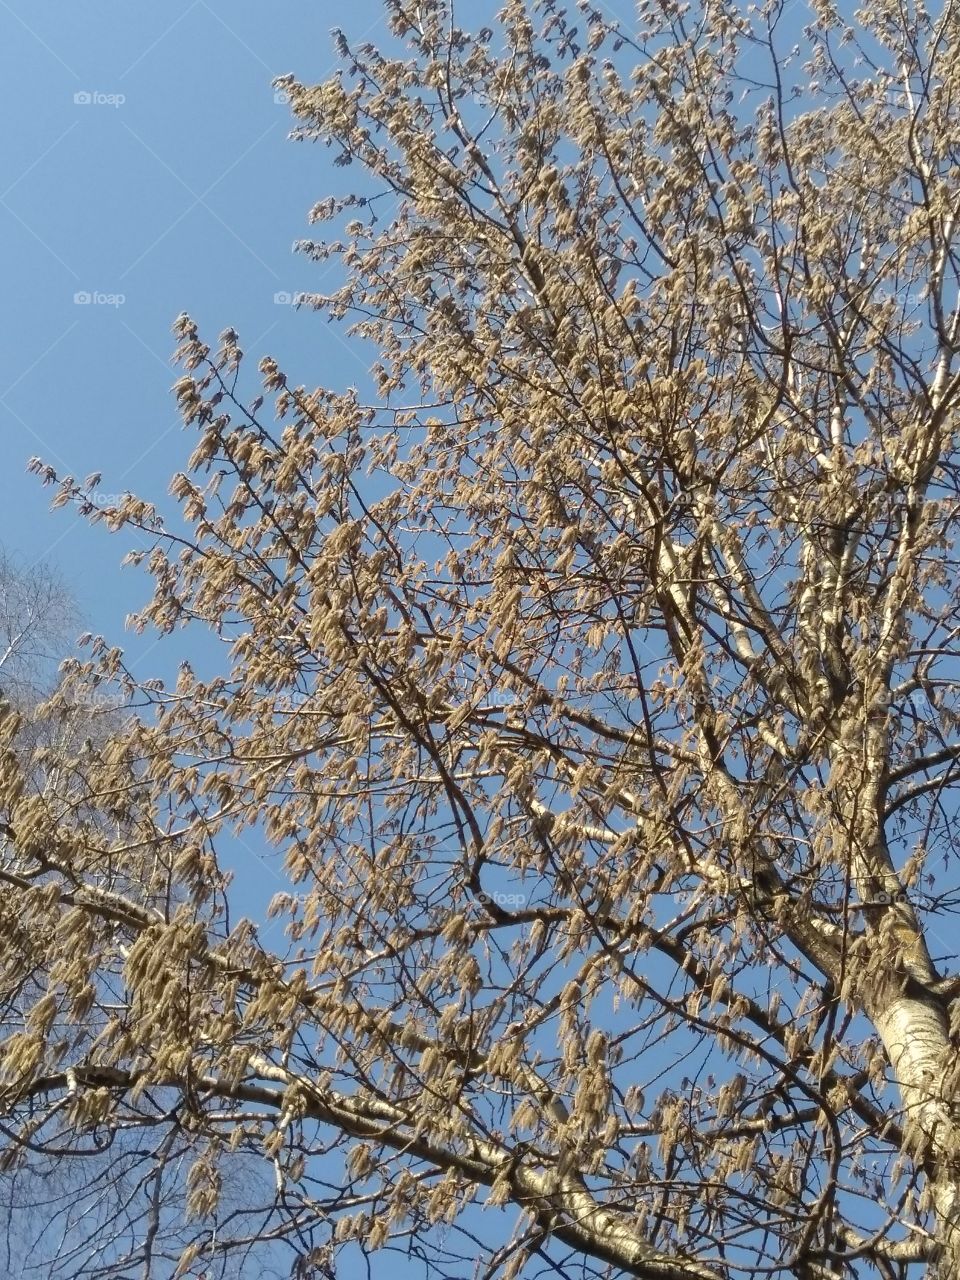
595	689
37	621
36	618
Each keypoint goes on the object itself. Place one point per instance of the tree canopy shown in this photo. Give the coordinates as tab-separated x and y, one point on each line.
591	686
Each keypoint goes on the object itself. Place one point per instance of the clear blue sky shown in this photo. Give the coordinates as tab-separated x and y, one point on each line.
175	187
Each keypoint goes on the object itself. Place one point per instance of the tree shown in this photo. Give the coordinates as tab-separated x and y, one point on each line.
36	615
594	690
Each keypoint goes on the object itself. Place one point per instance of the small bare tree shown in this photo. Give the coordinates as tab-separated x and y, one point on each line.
594	691
36	617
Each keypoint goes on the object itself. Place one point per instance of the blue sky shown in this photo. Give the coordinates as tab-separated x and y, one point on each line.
149	170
